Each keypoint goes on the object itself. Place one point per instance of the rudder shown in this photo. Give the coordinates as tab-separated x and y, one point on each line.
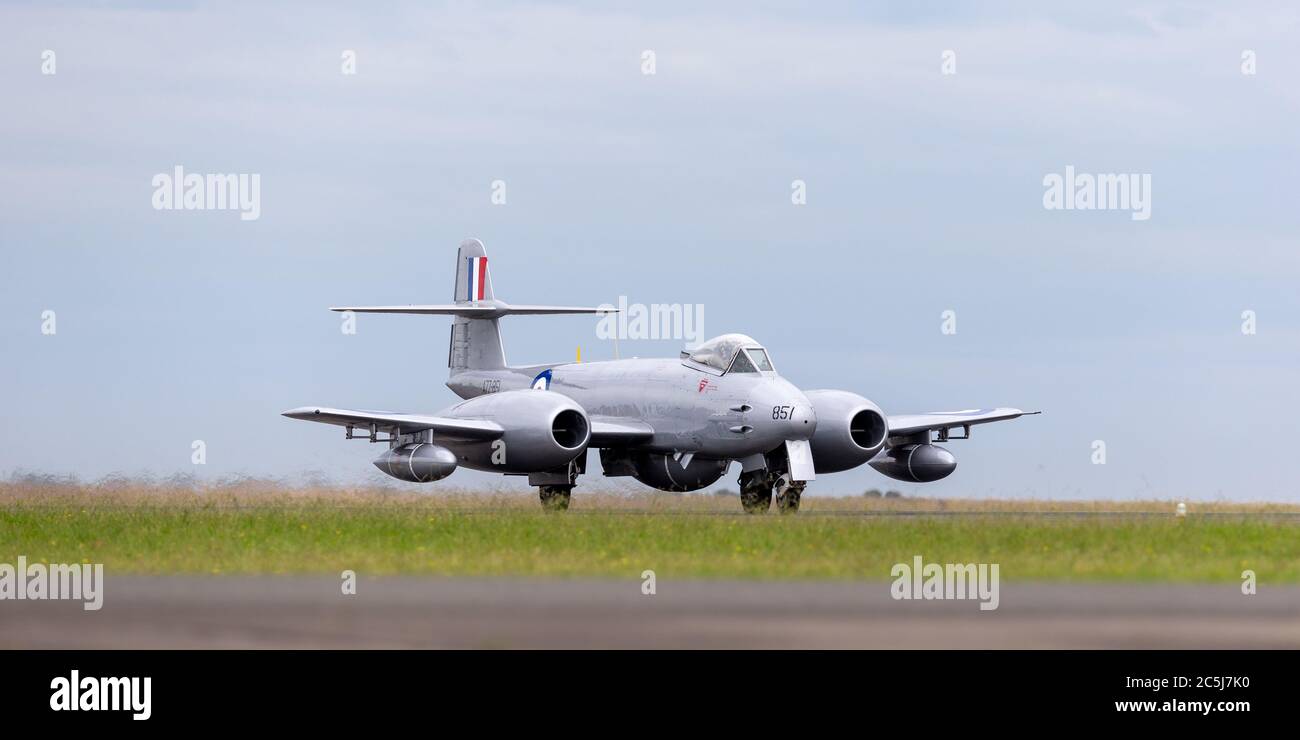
473	282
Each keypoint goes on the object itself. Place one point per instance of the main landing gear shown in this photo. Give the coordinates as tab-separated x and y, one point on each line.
555	487
555	498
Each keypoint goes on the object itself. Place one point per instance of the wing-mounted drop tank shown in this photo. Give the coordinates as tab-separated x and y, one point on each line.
420	462
915	463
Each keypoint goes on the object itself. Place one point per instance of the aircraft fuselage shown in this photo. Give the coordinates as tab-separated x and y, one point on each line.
726	416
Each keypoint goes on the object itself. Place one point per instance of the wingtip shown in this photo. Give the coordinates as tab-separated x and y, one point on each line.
300	412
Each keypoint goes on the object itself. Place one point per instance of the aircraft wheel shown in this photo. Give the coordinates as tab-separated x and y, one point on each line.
788	494
555	498
755	492
755	501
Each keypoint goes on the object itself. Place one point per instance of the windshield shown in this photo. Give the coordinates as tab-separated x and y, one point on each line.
759	356
734	353
742	365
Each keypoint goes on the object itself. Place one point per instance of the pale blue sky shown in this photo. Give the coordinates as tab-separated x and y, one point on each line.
924	194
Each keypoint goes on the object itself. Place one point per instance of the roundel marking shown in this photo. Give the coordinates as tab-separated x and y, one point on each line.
543	381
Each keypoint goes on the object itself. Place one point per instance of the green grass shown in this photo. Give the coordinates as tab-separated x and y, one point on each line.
407	535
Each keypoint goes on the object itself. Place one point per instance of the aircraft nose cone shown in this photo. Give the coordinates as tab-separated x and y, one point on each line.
781	413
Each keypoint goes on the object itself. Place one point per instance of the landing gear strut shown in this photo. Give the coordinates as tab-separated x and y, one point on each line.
755	491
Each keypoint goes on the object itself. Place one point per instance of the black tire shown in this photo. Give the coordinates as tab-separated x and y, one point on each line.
555	498
755	492
756	500
788	501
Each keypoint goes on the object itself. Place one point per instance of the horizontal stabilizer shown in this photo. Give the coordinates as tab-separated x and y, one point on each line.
481	310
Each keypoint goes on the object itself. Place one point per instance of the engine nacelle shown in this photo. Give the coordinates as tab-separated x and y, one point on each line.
544	430
666	474
850	430
418	463
916	463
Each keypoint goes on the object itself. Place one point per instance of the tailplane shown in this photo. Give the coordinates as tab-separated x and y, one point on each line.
475	333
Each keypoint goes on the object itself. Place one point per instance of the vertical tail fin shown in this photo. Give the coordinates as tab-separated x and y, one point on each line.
475	343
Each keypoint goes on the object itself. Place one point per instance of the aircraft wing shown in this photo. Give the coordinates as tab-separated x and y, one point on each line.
911	423
607	432
399	423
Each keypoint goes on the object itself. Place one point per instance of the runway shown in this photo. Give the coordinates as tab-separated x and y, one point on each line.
402	612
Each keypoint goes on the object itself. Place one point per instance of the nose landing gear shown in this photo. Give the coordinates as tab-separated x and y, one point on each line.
756	488
755	491
788	493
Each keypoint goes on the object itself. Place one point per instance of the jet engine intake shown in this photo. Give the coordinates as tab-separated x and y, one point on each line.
544	430
850	430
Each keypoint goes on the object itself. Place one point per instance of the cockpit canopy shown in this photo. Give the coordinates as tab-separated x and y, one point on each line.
731	353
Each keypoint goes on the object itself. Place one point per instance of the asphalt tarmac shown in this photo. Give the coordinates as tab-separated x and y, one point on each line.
401	612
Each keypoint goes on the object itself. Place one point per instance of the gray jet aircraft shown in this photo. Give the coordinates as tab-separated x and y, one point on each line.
673	424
